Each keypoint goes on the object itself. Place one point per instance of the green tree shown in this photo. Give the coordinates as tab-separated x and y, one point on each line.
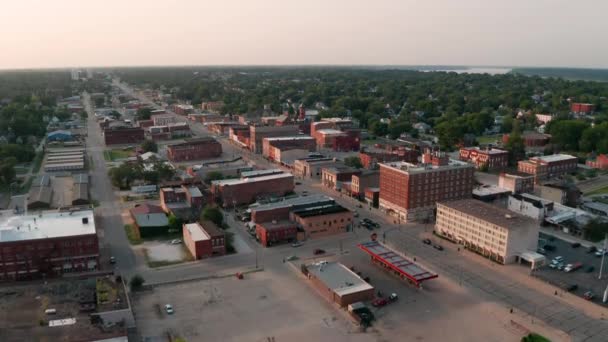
165	170
149	146
7	170
143	113
378	128
213	175
353	161
175	224
229	240
516	147
115	115
213	214
99	102
123	175
595	230
567	133
136	283
395	129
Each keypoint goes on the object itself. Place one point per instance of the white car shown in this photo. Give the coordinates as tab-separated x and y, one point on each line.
176	242
296	244
169	309
558	259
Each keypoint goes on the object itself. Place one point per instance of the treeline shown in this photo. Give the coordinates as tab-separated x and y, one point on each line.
600	75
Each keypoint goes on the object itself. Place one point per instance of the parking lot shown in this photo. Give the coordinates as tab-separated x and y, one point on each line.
585	278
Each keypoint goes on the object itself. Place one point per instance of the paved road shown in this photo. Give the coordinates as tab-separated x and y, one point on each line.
113	237
505	284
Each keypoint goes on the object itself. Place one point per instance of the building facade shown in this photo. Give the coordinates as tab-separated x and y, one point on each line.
204	240
599	162
323	221
338	284
232	192
360	182
258	133
194	149
516	182
273	148
410	191
547	167
496	233
272	233
582	108
123	135
491	158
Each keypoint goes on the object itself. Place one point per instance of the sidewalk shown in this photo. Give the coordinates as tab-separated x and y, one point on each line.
569	238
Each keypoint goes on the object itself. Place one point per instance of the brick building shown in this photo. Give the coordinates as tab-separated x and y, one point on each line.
221	128
258	133
274	148
338	284
149	220
50	243
494	232
371	159
184	201
123	135
531	139
410	191
165	119
336	176
599	162
492	158
275	232
204	240
231	192
280	210
183	109
240	136
582	108
321	221
212	106
194	149
312	167
349	142
516	182
547	167
362	181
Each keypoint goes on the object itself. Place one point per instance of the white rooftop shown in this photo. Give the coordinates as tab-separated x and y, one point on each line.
409	167
251	180
196	232
555	157
329	131
488	151
297	137
48	224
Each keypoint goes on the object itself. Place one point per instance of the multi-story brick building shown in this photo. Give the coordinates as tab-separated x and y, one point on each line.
165	119
274	148
582	108
185	201
231	192
547	167
204	240
362	181
599	162
323	220
221	128
533	140
494	232
258	133
371	159
123	135
50	243
334	177
183	109
410	191
312	167
492	158
280	210
516	182
275	232
194	149
212	106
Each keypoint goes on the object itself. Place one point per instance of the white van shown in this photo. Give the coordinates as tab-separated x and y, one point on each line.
50	311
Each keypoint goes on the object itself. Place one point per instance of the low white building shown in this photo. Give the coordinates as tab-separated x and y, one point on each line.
530	206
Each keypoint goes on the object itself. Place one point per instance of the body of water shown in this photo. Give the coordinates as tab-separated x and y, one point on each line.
474	70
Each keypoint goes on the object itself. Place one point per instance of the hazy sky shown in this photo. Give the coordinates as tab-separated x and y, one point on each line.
58	33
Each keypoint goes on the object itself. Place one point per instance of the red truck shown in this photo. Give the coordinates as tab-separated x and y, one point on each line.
573	267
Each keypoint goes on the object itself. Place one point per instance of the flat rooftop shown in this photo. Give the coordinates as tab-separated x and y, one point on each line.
555	158
486	190
414	168
296	201
297	137
489	213
338	277
48	224
321	210
329	131
486	150
196	232
257	173
251	180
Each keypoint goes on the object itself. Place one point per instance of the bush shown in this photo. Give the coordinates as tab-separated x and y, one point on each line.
136	283
214	215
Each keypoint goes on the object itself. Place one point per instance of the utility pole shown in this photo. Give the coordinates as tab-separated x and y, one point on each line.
603	257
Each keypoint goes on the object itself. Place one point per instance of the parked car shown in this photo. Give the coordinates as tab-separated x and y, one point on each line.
426	241
561	266
549	248
589	269
573	267
558	259
112	260
169	309
588	295
176	241
366	220
438	247
591	249
571	287
600	252
575	245
292	258
318	251
296	244
541	251
298	183
393	297
356	214
379	302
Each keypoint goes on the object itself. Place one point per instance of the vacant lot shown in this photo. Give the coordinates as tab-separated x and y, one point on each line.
115	154
62	191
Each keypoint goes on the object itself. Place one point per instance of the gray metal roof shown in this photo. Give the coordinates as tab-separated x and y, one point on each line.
42	180
338	278
81	178
152	220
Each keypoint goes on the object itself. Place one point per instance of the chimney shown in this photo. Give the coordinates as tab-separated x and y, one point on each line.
85	220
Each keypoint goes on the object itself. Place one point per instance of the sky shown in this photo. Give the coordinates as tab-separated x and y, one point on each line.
76	33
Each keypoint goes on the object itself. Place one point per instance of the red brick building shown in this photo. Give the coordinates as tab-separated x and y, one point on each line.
222	128
276	232
194	149
410	191
204	240
323	221
183	109
599	162
362	181
370	160
582	108
349	142
273	147
185	201
47	244
123	135
213	106
547	167
492	158
334	177
531	139
258	133
231	192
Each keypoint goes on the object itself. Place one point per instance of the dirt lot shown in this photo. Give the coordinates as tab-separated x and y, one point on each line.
62	191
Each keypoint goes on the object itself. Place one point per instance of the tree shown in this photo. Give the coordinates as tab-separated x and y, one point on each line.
136	283
165	170
595	230
115	115
123	175
516	147
567	133
378	128
353	161
175	224
395	129
229	241
149	146
7	170
213	175
213	214
143	114
99	102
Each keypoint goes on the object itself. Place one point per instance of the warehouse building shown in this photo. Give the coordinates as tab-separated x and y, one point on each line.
278	149
48	244
149	220
232	192
123	135
40	194
204	240
258	133
275	232
194	149
496	233
80	190
338	284
547	167
312	167
321	221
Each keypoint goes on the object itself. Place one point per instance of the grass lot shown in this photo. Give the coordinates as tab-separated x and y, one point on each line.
488	139
534	338
369	142
37	161
602	190
21	170
132	235
25	188
112	155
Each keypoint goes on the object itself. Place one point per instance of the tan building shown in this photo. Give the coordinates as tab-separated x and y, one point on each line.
323	220
516	182
491	231
311	167
338	284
